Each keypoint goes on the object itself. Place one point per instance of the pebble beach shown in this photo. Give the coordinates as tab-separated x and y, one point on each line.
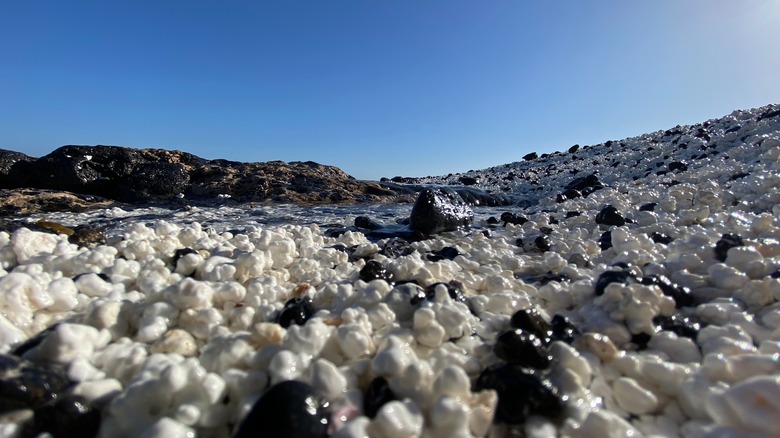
631	289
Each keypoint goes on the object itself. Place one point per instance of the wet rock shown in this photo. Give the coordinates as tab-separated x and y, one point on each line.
532	322
531	156
367	223
377	395
375	270
468	181
296	310
726	242
67	416
513	218
520	393
681	295
288	409
522	348
542	242
605	240
684	326
446	253
396	247
88	236
609	215
661	238
588	183
154	181
574	148
650	206
27	385
563	330
439	210
677	166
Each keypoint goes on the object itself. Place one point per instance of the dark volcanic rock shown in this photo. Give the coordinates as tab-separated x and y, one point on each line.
26	385
289	409
439	210
150	181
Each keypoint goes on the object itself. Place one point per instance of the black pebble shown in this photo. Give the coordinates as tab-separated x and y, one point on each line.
512	218
26	385
296	310
609	215
522	348
68	416
367	223
727	242
562	329
605	240
179	253
641	340
531	321
609	277
290	409
520	393
678	324
492	220
676	166
374	270
377	395
661	238
650	206
447	252
396	247
546	230
572	214
542	242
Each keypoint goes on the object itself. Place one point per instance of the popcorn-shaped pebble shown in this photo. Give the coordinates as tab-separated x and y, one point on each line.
396	419
393	357
308	339
70	341
155	321
175	341
571	360
726	277
415	382
98	392
63	294
732	369
225	352
600	345
190	294
632	397
286	365
482	408
679	349
427	331
327	379
727	340
604	424
200	323
452	382
354	340
449	417
22	296
28	244
749	406
216	268
9	335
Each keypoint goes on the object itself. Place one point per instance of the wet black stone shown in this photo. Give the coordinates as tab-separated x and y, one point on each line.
520	393
522	348
551	221
439	210
27	385
531	156
34	341
67	416
468	181
297	310
605	240
396	247
661	238
678	324
289	409
374	270
585	182
492	220
608	277
681	295
574	148
650	206
546	230
677	166
570	214
88	236
154	181
769	114
640	340
454	290
542	242
739	175
775	274
726	242
335	232
377	395
512	218
367	223
181	252
530	321
100	275
562	329
609	215
446	253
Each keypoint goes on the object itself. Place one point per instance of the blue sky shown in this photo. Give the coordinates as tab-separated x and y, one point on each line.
377	88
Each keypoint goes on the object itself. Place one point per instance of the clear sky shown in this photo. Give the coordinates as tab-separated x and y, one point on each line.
377	88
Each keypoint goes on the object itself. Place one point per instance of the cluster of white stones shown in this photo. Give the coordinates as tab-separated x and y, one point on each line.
176	349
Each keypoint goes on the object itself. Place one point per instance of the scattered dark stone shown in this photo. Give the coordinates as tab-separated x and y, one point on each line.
563	330
512	218
297	310
775	274
439	210
27	385
468	181
560	278
448	253
609	215
542	242
727	242
288	409
531	156
100	275
769	114
739	175
677	166
588	183
681	295
34	341
732	129
179	253
552	221
546	230
396	247
574	148
609	277
492	220
520	393
570	214
650	206
374	270
680	325
377	395
640	340
519	347
154	181
661	238
367	223
454	290
605	240
530	321
68	416
404	299
335	232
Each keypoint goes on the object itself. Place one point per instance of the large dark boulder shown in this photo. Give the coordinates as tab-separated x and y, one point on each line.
9	159
154	181
439	210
